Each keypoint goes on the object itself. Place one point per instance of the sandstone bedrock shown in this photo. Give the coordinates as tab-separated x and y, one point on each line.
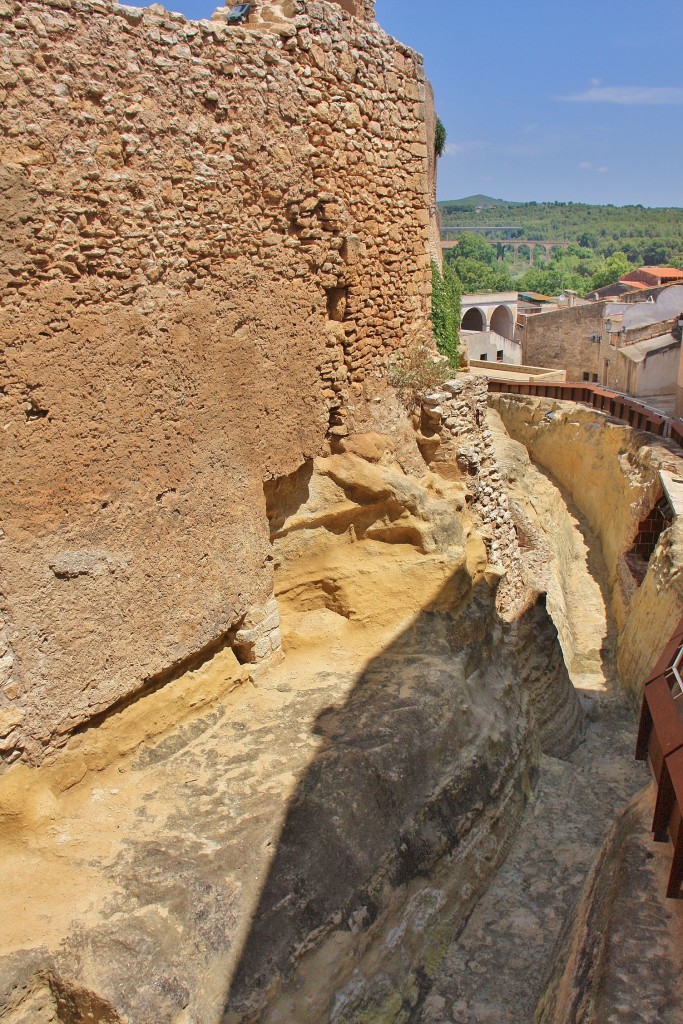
212	237
301	846
611	472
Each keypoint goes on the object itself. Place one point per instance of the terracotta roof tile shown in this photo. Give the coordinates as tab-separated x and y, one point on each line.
664	271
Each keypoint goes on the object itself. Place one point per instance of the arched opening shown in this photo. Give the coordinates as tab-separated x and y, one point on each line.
473	320
502	322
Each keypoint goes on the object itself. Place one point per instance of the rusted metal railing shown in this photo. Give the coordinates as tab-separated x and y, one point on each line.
660	741
620	406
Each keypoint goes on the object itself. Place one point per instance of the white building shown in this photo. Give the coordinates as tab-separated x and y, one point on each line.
487	327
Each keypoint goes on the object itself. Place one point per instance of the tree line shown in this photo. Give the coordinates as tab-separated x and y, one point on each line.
478	267
646	235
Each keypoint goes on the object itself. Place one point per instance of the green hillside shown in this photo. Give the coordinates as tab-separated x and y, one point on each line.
477	202
646	234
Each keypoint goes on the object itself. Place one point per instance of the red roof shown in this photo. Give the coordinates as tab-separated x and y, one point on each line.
664	271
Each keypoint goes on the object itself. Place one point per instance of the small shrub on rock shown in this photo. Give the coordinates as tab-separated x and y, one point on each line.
416	373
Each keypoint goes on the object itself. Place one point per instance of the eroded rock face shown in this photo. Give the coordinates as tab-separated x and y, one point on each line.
340	956
557	714
405	811
611	473
304	848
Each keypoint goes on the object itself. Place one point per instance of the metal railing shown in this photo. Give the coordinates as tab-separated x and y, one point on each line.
660	742
675	674
621	407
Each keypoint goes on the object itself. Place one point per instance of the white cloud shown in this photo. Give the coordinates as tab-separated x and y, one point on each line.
629	95
596	81
586	165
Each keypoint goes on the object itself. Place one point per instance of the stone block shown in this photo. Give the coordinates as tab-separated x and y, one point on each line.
10	718
247	636
6	667
254	617
272	622
262	648
276	639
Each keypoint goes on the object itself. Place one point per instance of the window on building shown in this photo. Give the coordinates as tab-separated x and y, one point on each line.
586	375
499	355
483	357
594	378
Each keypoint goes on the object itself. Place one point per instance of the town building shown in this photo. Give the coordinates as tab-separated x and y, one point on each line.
487	327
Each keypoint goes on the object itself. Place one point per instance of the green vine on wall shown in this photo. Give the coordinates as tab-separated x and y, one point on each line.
446	313
439	137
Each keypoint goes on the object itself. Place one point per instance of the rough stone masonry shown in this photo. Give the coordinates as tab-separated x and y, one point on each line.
211	236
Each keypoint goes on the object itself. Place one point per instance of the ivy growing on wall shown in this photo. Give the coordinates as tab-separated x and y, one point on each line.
439	137
446	313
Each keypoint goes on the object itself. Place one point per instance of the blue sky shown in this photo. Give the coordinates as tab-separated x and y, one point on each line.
544	100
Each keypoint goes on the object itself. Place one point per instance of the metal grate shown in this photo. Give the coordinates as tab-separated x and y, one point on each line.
674	675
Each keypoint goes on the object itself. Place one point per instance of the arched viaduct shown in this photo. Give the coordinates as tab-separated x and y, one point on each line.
516	245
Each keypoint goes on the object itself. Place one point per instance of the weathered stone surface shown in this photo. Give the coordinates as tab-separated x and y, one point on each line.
561	557
620	960
456	444
192	277
374	779
361	777
496	970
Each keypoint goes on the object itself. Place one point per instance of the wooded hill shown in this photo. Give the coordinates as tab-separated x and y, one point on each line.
650	235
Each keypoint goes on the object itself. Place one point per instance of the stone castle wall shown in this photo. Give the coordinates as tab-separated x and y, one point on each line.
210	238
454	432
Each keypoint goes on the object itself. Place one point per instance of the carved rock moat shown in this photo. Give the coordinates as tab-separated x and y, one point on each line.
315	706
307	840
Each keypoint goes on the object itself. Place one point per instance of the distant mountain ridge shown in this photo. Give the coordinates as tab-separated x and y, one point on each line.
489	203
477	202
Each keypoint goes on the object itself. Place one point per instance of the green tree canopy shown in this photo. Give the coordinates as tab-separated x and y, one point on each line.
476	267
474	247
646	235
614	267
